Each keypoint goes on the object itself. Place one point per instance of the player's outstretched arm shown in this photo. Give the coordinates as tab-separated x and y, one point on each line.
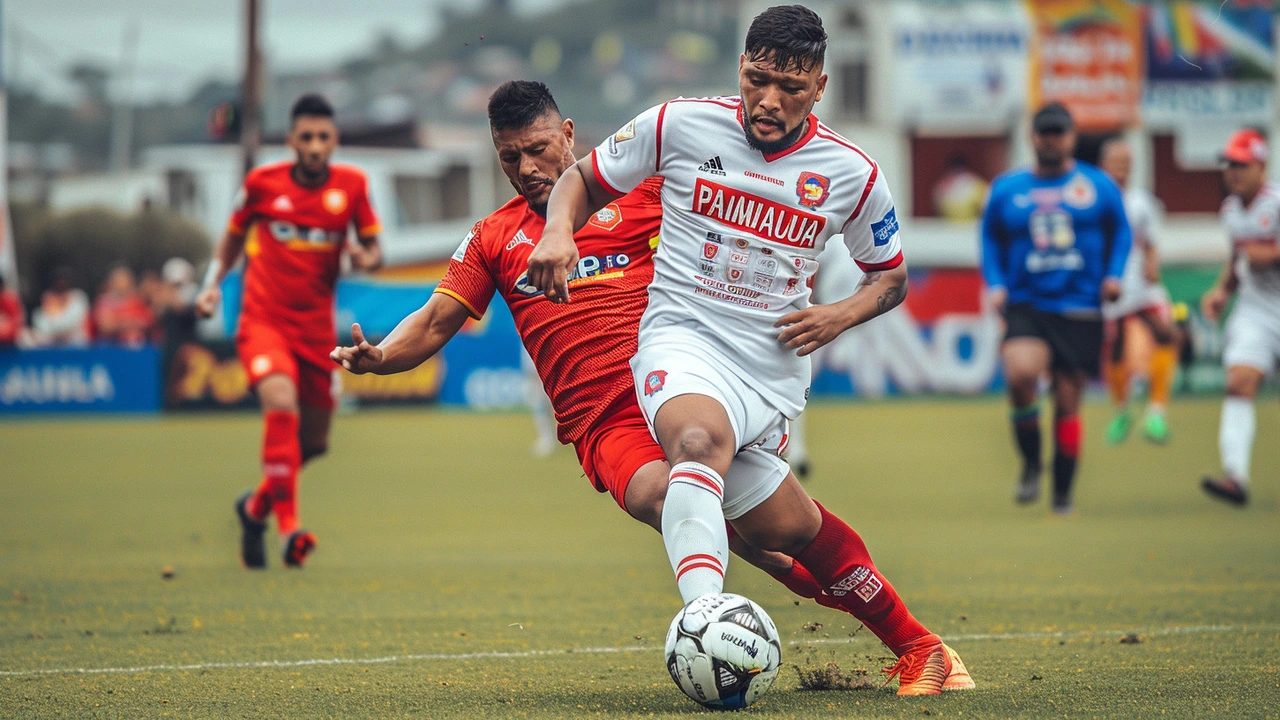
415	340
576	196
878	292
225	256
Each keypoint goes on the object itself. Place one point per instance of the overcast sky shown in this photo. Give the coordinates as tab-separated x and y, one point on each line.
182	43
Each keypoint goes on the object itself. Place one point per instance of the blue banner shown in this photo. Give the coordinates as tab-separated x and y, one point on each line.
89	380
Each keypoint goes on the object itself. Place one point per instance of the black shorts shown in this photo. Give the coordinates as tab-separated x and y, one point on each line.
1075	344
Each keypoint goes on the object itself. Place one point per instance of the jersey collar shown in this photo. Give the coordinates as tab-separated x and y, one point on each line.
804	139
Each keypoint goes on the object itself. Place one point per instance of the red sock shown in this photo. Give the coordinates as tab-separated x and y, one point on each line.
839	560
281	458
802	582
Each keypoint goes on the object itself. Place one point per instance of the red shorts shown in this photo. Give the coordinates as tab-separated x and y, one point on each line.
616	446
264	350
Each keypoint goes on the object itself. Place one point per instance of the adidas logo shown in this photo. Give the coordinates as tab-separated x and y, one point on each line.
712	166
282	204
727	678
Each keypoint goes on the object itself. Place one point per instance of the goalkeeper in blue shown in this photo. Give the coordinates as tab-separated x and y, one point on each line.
1054	244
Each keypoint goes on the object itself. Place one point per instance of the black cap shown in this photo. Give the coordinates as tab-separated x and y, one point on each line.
1053	117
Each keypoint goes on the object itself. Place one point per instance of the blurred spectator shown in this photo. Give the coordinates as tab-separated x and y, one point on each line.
12	317
150	287
63	315
175	301
961	192
120	314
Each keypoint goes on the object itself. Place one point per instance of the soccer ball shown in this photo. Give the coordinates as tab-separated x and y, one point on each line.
723	651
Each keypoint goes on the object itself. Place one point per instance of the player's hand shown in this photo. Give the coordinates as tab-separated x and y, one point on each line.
366	258
361	357
997	298
1214	303
1151	272
1111	289
807	330
207	301
554	257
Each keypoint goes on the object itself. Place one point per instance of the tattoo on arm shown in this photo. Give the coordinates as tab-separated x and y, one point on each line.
890	299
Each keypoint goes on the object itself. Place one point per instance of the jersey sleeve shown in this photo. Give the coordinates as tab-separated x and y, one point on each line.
993	241
1116	226
632	154
242	212
362	214
871	233
468	279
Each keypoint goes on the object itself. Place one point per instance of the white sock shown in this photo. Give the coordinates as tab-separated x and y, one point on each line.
693	529
1235	438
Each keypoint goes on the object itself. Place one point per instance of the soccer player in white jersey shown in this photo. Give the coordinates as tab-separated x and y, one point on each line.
754	187
1251	215
1140	331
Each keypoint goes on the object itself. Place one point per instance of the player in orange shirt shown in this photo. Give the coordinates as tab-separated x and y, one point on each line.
292	221
582	351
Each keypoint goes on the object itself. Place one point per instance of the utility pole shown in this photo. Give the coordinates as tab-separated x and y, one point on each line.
251	97
122	112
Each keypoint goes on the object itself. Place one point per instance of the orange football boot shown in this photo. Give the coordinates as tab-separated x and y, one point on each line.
958	678
923	669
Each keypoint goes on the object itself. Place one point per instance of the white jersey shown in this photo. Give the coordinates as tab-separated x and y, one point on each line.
1257	223
741	232
1144	212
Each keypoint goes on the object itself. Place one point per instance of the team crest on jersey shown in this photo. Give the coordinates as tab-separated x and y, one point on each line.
812	189
710	250
282	204
735	274
334	200
654	381
1080	193
607	217
627	132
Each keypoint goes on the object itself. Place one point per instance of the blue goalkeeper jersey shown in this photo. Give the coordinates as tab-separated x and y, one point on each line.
1051	241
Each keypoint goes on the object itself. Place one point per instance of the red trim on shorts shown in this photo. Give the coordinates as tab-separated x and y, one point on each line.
889	264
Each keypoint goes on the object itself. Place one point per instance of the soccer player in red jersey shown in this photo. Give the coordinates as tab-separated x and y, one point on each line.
582	351
292	221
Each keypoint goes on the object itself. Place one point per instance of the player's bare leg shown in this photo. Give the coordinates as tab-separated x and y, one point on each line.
698	439
313	431
1068	387
826	548
1161	368
1235	435
1026	360
646	495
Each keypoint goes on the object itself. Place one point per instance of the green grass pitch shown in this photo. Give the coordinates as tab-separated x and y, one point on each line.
458	577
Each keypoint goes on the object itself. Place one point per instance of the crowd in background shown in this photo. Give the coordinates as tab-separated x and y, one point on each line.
128	311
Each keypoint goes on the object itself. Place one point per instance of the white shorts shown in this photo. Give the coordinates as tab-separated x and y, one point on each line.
663	371
1136	300
1253	339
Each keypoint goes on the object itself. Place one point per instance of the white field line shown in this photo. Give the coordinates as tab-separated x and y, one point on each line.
1192	630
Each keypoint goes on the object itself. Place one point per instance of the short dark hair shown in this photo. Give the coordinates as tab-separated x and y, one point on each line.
312	104
791	34
517	104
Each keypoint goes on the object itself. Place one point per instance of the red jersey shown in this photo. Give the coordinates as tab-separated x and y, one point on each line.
295	240
581	350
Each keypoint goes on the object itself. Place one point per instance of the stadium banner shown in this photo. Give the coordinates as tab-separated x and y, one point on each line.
1087	54
1211	69
944	339
479	369
80	380
966	66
